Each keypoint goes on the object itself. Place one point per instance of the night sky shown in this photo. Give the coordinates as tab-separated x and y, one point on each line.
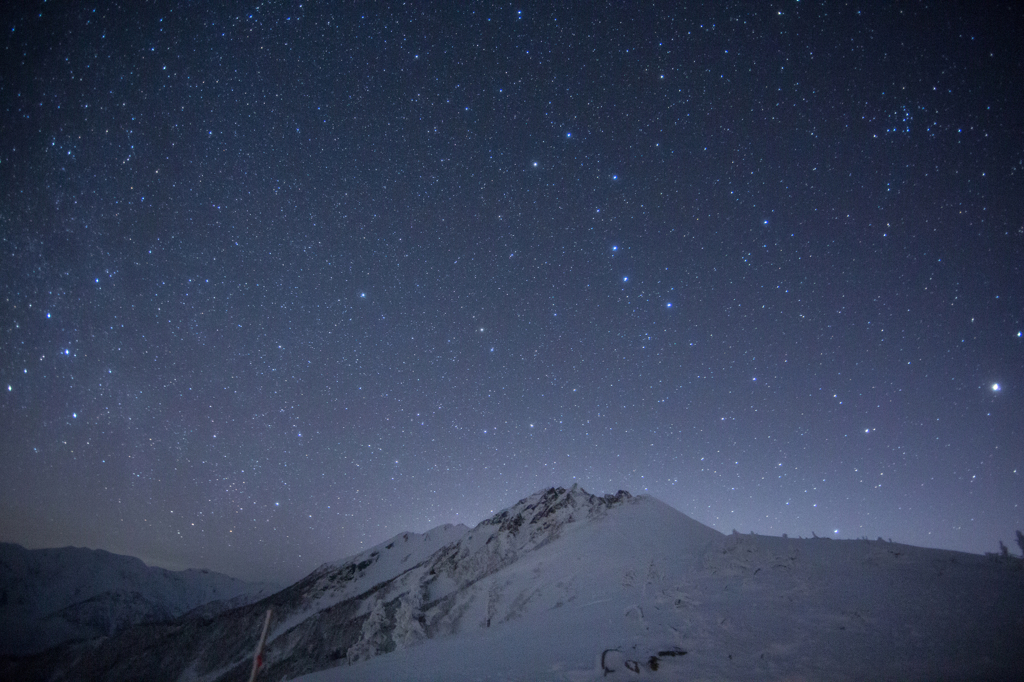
282	280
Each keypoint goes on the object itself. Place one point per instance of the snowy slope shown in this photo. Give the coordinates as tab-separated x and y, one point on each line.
625	596
338	582
48	596
309	617
570	586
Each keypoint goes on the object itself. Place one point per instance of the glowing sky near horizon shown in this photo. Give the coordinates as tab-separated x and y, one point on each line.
280	281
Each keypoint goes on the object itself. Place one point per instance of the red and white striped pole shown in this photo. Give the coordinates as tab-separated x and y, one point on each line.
257	659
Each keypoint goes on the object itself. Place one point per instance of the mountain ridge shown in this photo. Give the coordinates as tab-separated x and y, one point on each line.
49	596
566	585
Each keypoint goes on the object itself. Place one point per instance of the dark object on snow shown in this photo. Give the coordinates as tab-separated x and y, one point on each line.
604	661
653	662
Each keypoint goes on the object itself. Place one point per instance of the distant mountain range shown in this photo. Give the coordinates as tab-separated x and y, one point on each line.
566	585
51	596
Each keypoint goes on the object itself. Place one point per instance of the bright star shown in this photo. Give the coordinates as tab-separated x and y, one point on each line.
996	388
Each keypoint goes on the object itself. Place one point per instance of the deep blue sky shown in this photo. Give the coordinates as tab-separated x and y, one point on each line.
281	280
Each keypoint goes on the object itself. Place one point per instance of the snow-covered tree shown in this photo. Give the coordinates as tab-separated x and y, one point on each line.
408	628
373	637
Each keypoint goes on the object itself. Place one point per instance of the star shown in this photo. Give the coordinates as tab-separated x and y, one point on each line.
230	321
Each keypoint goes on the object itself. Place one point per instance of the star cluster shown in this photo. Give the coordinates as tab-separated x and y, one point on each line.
280	280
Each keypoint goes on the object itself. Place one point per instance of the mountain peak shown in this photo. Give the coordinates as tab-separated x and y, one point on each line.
573	586
529	524
554	507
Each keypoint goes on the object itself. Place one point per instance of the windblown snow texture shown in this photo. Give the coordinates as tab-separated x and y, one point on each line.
566	585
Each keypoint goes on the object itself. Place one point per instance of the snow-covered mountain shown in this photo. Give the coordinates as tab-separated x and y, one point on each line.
566	585
50	596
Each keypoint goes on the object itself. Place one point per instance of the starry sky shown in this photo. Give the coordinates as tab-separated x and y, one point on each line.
280	280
